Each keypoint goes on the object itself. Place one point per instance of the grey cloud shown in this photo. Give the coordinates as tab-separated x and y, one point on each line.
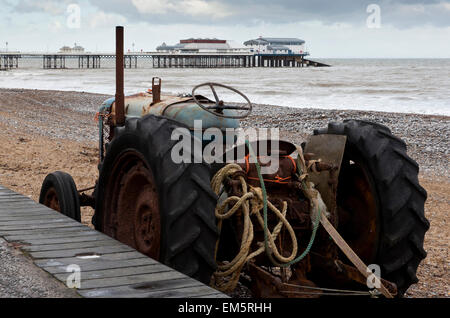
399	13
249	12
52	7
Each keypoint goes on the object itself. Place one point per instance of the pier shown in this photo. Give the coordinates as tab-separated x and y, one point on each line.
9	61
201	60
89	61
164	60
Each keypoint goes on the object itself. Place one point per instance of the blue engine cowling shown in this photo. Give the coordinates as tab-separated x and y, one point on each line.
181	109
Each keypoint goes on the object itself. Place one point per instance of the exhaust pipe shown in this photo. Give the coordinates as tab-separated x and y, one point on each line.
120	98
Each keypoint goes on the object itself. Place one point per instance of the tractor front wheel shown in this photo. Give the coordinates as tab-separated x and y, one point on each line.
59	193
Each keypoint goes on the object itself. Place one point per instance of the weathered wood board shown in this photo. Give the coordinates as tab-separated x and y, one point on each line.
107	267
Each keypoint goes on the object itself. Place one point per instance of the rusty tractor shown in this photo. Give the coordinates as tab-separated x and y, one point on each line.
229	224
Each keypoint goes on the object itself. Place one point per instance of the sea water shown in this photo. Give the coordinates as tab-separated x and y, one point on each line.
390	85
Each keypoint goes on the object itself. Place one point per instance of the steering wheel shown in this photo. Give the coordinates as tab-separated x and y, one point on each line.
218	108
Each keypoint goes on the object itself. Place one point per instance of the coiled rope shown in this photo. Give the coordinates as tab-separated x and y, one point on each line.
252	201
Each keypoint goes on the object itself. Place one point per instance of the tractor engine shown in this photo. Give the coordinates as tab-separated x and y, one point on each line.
284	192
281	186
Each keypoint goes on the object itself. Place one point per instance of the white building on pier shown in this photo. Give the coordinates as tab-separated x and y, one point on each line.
263	45
75	49
196	46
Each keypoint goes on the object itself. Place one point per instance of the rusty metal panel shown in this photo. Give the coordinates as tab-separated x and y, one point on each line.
330	149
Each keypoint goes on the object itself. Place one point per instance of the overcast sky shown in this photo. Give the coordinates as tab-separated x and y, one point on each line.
333	28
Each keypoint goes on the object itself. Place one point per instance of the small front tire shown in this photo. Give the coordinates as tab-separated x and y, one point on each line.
59	193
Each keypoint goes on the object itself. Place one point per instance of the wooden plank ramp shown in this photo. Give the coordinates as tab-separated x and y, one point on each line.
108	268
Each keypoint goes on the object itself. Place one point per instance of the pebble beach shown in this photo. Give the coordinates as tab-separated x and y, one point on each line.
43	131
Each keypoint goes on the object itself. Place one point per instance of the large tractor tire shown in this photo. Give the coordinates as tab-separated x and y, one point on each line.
146	200
380	201
59	192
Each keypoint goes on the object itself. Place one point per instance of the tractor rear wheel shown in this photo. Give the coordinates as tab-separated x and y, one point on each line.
380	201
145	200
59	193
